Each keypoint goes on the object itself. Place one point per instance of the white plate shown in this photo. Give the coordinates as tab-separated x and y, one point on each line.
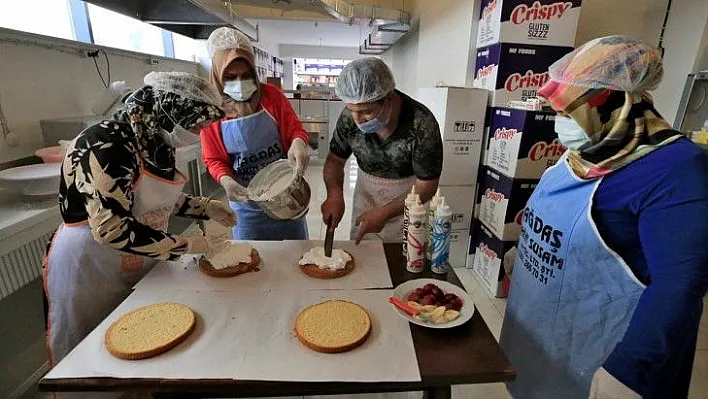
39	171
401	292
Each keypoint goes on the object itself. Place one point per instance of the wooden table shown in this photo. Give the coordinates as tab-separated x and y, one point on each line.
468	354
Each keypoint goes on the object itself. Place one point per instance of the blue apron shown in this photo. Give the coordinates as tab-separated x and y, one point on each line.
571	296
254	143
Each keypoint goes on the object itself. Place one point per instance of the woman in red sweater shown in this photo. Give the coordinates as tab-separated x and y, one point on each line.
260	127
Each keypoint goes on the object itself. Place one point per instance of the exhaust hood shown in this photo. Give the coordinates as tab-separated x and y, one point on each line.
192	18
381	26
386	26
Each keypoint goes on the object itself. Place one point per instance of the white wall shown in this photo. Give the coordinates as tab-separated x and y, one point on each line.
268	41
641	19
402	58
447	30
686	40
42	78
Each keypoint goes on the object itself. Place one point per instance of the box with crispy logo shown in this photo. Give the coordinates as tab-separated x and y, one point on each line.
540	22
522	144
491	259
514	72
502	201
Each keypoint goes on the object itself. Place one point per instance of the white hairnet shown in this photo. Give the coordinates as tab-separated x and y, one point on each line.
364	81
613	62
185	85
228	39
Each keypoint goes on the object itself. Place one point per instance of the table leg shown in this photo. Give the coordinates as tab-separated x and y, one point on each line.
438	393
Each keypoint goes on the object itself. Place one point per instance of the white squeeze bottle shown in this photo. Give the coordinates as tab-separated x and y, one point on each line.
411	199
432	206
417	234
440	262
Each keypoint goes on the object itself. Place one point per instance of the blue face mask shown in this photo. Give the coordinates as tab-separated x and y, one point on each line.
374	125
571	134
371	126
240	90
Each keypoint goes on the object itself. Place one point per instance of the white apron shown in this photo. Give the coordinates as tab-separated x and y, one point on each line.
84	280
371	192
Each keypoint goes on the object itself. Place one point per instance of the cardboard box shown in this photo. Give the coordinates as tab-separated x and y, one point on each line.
523	144
539	22
461	161
460	113
490	258
461	202
514	72
459	242
502	203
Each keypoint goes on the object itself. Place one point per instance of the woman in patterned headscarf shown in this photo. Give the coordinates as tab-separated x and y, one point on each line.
118	189
612	261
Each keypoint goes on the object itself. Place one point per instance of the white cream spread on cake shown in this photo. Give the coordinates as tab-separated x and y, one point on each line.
316	256
232	254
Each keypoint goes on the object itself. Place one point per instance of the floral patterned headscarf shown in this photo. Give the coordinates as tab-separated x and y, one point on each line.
150	111
603	85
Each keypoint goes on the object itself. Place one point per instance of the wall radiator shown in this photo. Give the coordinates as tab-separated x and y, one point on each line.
22	265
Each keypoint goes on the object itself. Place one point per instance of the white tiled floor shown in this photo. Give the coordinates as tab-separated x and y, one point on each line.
491	309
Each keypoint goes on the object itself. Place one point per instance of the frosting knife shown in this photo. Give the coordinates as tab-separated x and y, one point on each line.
329	239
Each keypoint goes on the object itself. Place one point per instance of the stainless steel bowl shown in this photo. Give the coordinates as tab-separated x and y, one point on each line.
291	202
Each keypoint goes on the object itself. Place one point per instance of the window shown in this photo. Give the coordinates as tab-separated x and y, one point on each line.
116	30
43	17
88	23
187	48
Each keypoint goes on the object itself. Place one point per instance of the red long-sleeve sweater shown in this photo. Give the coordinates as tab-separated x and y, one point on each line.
219	163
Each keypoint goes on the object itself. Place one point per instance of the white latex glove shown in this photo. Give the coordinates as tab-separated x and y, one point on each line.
606	386
206	245
221	213
298	156
234	191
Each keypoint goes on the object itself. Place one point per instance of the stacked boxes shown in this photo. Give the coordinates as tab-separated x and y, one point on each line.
460	112
517	40
514	72
521	146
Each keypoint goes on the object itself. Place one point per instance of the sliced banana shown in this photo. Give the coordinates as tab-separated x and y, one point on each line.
437	313
440	320
427	308
451	315
414	305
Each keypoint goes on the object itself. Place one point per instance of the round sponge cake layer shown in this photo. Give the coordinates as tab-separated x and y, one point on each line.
150	330
333	326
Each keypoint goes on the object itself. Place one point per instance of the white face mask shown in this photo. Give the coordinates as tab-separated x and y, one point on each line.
240	90
180	137
571	134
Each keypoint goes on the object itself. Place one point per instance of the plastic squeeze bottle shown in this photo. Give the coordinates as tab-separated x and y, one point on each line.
411	200
440	262
417	234
432	206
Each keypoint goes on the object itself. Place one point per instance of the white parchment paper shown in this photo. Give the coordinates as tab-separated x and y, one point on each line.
249	335
278	270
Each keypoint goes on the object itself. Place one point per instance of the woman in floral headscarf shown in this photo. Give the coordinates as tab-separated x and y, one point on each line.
612	262
119	186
